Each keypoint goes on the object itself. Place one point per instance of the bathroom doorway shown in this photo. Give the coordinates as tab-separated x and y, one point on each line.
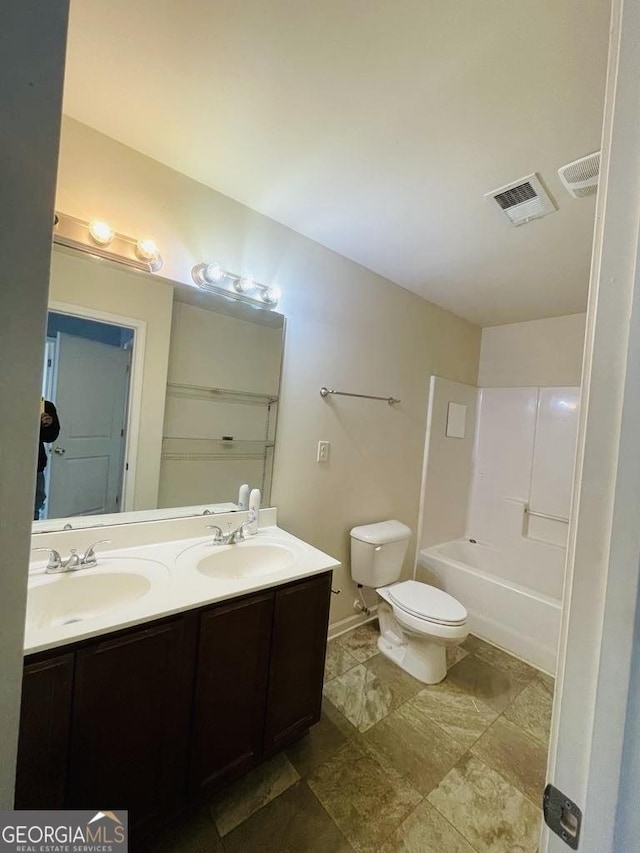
87	374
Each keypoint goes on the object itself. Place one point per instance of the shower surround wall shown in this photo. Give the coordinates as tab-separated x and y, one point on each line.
518	491
523	471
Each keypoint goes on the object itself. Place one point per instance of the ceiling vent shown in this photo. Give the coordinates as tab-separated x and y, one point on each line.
522	200
580	178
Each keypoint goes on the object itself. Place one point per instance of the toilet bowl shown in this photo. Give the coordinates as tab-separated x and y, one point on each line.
417	621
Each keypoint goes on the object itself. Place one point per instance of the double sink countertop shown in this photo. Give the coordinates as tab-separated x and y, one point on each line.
137	583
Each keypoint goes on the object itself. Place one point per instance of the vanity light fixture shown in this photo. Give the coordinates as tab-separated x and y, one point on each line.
214	278
272	295
101	232
246	284
99	238
208	274
147	250
214	273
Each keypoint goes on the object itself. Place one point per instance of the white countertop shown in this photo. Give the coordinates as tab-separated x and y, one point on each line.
165	577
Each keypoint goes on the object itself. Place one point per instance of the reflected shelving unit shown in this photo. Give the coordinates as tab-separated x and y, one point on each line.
220	395
214	439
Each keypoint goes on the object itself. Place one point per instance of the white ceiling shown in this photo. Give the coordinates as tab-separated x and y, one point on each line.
372	126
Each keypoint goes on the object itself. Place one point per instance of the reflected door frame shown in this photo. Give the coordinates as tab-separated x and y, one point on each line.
134	403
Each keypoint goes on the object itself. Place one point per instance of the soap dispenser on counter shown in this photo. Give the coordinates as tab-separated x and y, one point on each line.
254	512
243	497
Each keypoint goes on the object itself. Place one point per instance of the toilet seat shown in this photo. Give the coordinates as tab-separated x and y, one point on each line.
427	603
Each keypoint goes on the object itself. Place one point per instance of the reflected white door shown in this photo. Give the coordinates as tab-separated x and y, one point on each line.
86	462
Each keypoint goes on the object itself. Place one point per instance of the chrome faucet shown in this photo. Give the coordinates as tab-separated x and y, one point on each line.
55	560
73	562
230	538
56	565
237	535
89	558
219	537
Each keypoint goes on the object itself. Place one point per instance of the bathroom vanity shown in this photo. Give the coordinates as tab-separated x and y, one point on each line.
150	716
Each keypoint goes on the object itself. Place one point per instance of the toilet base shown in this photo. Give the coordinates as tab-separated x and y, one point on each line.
422	659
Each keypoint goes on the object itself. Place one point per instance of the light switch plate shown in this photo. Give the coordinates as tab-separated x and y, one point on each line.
456	420
323	451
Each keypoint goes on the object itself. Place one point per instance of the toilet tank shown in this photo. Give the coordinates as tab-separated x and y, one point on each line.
377	552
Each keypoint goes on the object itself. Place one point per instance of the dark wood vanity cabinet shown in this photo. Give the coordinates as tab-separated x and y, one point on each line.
148	718
230	689
298	646
43	744
130	720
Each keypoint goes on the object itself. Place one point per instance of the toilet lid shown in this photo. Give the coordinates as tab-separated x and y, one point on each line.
428	602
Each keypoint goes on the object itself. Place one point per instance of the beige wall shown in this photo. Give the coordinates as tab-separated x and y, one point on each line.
81	281
217	351
536	353
448	464
346	327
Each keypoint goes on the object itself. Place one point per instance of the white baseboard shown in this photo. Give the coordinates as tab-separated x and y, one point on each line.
343	626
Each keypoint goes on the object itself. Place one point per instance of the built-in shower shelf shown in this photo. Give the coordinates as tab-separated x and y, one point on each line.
220	395
214	449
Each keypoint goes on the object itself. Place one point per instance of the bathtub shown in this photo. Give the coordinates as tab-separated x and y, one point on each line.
503	605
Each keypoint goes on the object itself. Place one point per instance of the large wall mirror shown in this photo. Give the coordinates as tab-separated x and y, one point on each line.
158	399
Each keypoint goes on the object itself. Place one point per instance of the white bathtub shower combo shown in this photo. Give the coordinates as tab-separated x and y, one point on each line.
511	614
506	563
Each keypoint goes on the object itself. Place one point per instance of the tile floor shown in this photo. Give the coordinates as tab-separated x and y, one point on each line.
395	766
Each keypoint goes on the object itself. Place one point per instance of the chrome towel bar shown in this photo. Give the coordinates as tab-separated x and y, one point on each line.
324	392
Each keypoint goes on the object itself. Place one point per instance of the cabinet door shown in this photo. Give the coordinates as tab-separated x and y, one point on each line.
44	734
231	687
298	647
130	723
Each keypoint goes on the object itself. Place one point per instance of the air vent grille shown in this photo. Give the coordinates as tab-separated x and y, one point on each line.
522	200
581	192
580	178
517	195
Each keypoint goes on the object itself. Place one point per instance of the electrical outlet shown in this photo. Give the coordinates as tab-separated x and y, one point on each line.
323	451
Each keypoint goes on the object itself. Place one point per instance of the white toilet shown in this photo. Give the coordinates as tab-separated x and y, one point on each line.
417	621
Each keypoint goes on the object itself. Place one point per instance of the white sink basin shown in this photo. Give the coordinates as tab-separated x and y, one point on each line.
70	597
246	560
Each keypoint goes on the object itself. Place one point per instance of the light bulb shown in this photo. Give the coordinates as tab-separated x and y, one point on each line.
245	284
146	250
271	295
101	232
214	273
